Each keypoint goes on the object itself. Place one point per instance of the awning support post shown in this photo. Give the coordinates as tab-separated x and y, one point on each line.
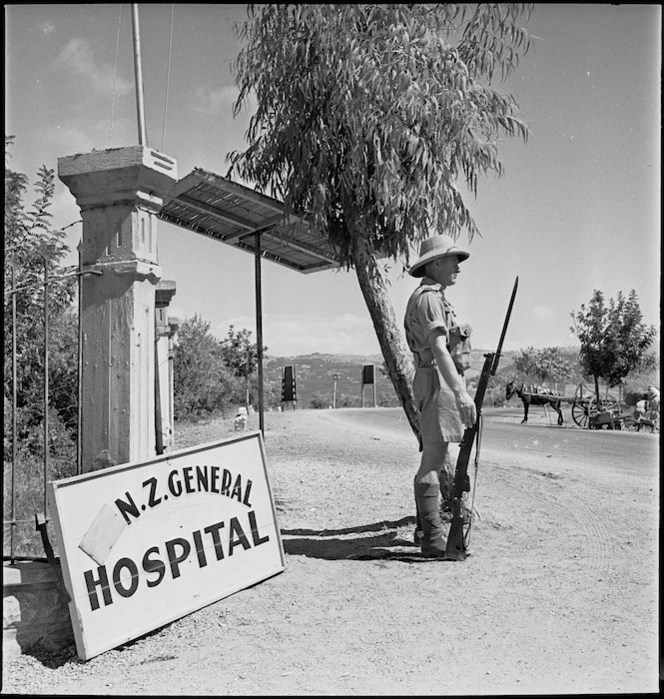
259	331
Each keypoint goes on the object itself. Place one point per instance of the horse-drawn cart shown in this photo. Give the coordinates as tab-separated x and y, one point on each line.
587	412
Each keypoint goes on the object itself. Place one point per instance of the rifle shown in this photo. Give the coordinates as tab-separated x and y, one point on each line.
457	542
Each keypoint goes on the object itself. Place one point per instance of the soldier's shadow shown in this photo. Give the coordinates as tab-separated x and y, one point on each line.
383	541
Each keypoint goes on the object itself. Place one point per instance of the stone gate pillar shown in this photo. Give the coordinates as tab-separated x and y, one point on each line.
164	340
119	192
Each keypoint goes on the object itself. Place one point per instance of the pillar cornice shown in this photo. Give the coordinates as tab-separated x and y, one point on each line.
164	293
134	176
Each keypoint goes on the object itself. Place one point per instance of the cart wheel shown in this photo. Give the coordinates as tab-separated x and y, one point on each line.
581	413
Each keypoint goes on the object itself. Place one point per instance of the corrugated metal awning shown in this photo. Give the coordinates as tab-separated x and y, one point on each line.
232	213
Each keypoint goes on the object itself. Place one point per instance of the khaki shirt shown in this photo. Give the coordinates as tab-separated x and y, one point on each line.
428	310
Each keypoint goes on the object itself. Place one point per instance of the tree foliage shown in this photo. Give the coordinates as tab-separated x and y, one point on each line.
239	353
373	111
366	117
202	383
32	248
543	365
212	376
614	340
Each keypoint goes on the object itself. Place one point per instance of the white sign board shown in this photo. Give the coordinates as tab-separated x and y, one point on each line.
147	543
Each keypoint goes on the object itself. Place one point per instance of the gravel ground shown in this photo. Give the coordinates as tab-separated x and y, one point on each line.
560	595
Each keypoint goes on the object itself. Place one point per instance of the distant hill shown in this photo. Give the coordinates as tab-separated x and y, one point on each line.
314	377
315	384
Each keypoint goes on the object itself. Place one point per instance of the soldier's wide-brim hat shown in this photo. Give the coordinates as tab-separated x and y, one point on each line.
434	247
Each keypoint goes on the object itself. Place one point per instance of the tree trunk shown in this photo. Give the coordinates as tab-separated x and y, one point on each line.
396	354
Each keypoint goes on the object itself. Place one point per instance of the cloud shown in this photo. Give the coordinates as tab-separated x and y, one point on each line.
543	312
214	102
78	58
220	102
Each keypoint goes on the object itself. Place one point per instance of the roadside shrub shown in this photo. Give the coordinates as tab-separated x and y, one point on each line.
320	402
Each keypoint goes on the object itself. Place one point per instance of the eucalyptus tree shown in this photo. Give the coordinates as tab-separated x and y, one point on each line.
365	117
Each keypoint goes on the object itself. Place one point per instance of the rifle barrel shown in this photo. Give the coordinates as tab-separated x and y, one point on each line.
496	358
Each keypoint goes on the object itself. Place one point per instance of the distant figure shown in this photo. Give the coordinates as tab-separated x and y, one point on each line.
646	410
653	406
640	415
640	408
653	398
240	421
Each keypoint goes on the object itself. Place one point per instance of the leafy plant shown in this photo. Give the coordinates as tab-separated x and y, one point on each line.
614	340
240	355
366	117
544	365
34	249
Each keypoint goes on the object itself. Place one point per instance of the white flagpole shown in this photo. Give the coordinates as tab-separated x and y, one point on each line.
142	133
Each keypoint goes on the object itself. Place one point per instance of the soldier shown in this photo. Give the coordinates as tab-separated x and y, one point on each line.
439	387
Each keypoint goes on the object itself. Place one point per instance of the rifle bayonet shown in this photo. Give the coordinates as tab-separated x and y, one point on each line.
456	542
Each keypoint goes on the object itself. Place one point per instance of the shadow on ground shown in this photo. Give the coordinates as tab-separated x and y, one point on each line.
328	544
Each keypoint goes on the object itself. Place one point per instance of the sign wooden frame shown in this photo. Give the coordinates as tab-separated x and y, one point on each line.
144	544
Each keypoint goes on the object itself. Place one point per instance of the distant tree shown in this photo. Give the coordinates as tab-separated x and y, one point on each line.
240	355
320	401
544	365
367	115
614	340
202	383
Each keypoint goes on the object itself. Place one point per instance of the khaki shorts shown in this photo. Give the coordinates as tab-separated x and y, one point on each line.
439	416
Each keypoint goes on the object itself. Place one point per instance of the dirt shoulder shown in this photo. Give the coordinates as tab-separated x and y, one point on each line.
559	596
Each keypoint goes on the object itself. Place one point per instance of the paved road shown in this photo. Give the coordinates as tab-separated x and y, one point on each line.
503	433
615	449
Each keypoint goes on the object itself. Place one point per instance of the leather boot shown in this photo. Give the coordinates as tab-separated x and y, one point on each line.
417	534
426	498
446	482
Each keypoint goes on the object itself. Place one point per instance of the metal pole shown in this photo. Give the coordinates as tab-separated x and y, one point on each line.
138	72
259	329
14	428
158	424
45	378
79	461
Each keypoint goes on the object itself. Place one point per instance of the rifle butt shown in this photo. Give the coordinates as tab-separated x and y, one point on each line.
455	549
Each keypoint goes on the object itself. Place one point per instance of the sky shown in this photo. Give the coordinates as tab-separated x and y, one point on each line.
578	208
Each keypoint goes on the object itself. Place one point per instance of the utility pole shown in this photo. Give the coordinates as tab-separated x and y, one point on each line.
335	377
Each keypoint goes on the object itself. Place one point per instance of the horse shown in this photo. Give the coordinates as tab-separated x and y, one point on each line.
534	399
